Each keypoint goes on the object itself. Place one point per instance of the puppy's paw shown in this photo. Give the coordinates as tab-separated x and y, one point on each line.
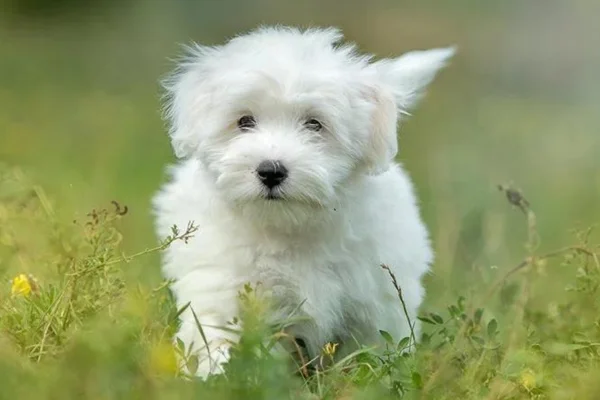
201	364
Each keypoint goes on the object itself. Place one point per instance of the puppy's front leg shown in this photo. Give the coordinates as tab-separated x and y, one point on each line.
207	341
209	334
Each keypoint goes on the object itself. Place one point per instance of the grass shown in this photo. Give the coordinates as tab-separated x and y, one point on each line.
512	307
78	329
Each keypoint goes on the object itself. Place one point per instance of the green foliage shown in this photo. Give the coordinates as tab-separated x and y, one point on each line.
72	326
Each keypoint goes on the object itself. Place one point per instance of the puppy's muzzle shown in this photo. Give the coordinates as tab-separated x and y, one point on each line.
271	173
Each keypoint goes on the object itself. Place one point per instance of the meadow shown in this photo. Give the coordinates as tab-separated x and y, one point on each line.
504	152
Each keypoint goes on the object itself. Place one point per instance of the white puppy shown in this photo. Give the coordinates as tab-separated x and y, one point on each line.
289	141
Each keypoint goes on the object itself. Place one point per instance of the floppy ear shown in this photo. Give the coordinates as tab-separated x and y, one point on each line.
187	100
401	82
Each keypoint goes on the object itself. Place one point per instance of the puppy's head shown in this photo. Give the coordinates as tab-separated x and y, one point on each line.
286	118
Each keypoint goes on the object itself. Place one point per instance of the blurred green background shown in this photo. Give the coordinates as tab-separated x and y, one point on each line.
80	101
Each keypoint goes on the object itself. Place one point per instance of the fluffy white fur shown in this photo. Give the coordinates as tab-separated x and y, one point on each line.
345	208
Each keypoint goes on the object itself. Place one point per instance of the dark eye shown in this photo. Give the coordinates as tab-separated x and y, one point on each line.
246	122
313	125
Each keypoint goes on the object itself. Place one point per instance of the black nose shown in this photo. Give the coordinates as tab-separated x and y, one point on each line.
271	173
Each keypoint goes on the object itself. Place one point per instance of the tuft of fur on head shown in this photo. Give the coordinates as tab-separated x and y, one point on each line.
284	77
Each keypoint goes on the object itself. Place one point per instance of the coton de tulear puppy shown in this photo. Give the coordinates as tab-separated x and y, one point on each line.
288	139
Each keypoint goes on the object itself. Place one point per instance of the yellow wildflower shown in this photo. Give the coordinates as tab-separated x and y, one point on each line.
23	285
527	379
330	349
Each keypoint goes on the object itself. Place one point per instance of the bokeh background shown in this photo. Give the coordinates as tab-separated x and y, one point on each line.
80	110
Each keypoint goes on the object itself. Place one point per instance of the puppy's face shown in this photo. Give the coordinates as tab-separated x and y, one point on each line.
283	134
287	119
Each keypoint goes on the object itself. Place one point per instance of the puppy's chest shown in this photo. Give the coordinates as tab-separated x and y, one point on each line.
330	290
